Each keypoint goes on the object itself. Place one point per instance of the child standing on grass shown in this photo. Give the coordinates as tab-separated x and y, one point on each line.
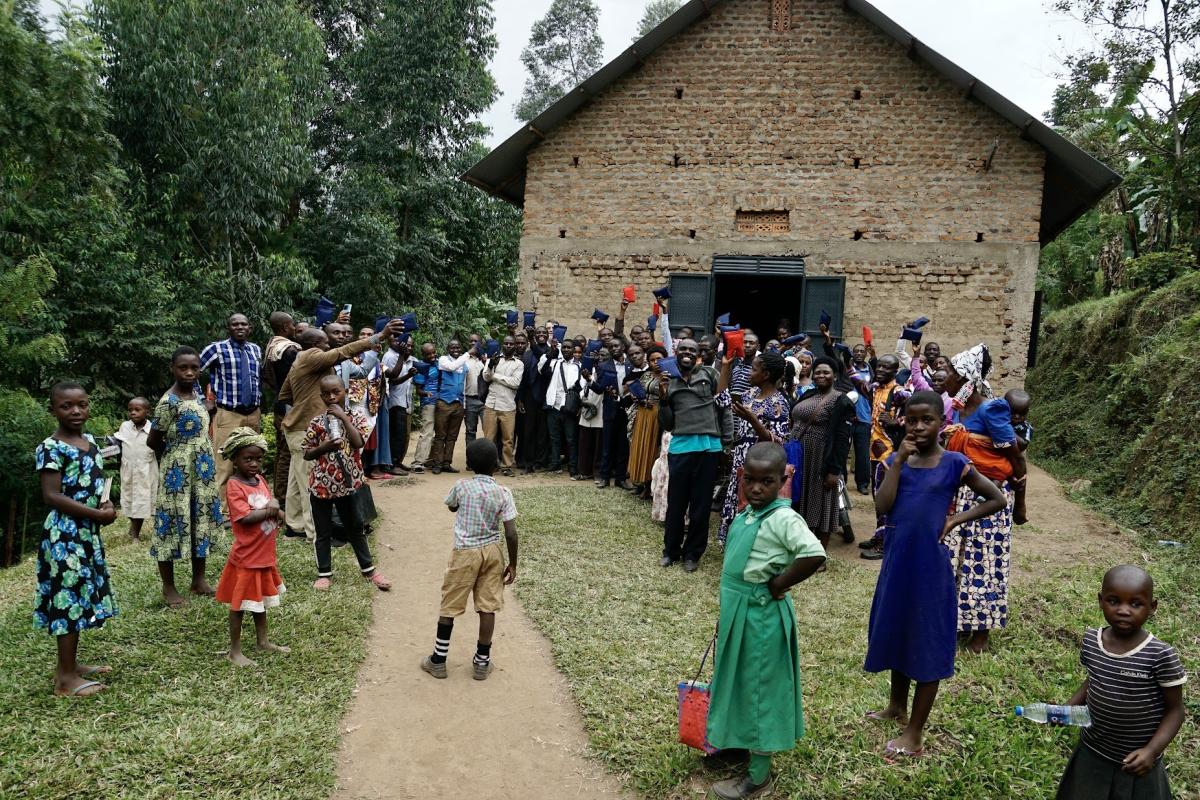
755	701
1134	691
139	466
73	591
334	440
481	506
187	506
914	614
251	580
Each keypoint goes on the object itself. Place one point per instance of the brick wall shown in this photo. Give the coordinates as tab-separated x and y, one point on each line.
639	183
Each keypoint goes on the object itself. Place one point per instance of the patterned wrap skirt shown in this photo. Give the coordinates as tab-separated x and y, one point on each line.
980	552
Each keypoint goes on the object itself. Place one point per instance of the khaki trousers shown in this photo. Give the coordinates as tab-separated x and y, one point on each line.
424	434
299	506
223	424
507	422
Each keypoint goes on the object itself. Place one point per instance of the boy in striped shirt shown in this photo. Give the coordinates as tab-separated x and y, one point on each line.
1134	691
483	513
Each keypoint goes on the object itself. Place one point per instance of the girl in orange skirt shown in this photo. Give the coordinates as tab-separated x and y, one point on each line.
251	580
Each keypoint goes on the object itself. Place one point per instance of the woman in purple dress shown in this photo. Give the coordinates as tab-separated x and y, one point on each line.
913	623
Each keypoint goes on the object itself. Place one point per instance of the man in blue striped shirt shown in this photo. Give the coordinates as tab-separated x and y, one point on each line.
233	367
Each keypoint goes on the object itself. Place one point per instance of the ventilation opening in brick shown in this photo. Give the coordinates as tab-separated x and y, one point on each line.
675	161
763	221
678	92
858	235
857	163
692	233
781	15
858	94
574	161
562	233
979	237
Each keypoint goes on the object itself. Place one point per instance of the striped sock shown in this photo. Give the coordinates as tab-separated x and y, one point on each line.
483	653
441	645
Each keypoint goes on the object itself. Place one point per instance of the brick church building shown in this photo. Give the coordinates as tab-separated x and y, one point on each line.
778	158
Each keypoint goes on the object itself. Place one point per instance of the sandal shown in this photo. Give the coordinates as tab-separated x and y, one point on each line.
893	754
381	583
322	584
102	670
417	468
78	691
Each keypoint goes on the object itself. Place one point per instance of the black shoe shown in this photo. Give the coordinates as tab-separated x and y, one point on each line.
848	535
436	470
872	555
507	472
336	542
864	490
873	543
691	566
602	484
740	788
626	485
292	533
450	469
666	562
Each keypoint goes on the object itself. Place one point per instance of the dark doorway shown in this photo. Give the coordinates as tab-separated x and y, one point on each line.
758	301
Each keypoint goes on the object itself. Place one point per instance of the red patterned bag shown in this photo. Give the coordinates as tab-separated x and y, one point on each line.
693	702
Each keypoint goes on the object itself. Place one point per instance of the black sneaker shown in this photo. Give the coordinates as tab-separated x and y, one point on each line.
870	544
292	533
872	555
450	469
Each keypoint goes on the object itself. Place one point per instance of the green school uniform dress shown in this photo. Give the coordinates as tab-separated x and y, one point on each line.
755	701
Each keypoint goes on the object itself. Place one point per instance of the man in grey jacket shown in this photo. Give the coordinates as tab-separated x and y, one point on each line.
699	428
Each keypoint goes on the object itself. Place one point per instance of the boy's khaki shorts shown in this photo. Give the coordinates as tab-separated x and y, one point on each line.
479	570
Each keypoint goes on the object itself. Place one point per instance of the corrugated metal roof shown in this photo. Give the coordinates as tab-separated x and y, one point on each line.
1075	181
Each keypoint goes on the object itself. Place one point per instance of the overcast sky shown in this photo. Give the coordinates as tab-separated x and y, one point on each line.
1015	46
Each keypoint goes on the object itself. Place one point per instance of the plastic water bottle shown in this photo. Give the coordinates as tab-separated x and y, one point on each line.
1079	716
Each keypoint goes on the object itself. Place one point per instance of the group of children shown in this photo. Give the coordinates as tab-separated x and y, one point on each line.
756	703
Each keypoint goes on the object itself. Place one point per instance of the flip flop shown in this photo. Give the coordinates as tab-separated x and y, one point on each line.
878	717
102	670
893	754
85	685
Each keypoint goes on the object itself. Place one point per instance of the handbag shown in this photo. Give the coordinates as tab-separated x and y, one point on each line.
693	702
572	401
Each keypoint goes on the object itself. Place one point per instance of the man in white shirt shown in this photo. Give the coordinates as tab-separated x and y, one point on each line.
503	375
560	372
399	367
450	408
473	386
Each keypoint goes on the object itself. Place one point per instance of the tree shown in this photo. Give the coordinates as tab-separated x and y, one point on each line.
656	11
564	50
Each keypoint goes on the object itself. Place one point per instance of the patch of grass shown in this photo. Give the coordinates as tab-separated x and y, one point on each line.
179	721
624	631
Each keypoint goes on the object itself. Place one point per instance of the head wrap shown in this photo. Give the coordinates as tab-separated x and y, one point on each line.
973	366
242	437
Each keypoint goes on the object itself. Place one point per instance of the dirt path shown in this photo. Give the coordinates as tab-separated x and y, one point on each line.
516	735
1058	533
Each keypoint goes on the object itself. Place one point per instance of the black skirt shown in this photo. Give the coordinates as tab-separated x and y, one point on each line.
1090	776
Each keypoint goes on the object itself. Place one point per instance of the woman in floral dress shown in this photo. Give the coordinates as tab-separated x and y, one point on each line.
187	513
764	417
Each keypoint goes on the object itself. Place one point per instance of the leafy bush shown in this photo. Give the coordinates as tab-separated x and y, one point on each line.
1117	402
1154	270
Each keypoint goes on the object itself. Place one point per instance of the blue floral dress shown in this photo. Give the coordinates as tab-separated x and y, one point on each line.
73	590
187	514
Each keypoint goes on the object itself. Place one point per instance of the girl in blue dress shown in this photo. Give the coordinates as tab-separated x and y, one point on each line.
73	592
914	622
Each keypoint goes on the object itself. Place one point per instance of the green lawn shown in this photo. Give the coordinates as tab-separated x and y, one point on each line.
179	721
624	632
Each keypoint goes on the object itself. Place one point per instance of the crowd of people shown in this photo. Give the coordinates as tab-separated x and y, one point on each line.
772	435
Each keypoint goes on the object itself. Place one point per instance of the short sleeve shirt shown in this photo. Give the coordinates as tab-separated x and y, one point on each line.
1125	695
483	506
782	538
339	473
254	543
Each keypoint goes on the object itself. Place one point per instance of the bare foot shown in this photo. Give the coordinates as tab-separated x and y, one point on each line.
86	670
240	660
75	686
978	643
202	588
173	598
890	713
274	648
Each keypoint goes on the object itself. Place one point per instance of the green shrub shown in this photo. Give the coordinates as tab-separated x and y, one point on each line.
1117	401
1154	270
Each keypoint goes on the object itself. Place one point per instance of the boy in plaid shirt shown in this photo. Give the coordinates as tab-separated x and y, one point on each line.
481	506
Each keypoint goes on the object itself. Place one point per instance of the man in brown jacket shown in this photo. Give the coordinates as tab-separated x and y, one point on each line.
301	395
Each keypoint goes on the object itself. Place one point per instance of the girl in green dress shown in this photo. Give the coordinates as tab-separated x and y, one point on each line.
187	514
73	591
755	700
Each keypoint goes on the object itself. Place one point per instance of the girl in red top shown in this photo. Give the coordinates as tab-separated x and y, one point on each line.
251	580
